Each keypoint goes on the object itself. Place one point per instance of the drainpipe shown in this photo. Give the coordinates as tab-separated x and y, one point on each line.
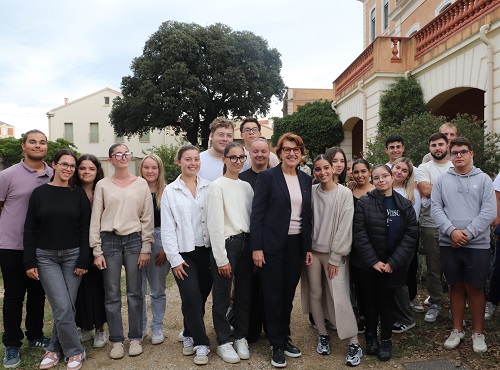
407	74
364	118
488	114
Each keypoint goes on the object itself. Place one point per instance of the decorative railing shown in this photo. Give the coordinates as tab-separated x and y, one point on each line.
355	70
457	16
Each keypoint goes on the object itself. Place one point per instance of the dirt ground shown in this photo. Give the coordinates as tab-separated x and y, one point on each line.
168	355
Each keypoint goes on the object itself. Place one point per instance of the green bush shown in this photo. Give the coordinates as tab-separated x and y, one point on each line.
167	154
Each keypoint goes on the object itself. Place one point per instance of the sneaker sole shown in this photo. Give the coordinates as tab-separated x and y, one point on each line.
275	364
399	331
188	352
430	320
244	356
293	355
324	353
157	341
201	361
230	360
452	347
12	366
99	344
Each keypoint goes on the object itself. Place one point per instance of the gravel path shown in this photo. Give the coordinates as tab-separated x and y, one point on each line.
168	355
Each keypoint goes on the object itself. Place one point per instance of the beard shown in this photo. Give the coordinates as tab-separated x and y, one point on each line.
439	157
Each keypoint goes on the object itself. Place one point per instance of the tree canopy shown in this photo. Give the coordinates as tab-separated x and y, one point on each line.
189	74
317	124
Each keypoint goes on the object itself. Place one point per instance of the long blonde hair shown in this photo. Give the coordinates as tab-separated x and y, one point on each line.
160	181
409	183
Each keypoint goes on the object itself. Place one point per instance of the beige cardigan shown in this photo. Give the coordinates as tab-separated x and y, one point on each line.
337	306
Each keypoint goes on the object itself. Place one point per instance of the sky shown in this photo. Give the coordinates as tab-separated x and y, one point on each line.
52	49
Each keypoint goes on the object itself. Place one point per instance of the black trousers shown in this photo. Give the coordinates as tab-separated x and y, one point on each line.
279	278
240	258
378	302
17	284
194	291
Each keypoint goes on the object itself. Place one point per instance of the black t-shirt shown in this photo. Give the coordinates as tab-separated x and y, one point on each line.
249	176
393	224
156	211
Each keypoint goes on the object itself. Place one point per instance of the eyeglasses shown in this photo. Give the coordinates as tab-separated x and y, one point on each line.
119	156
221	135
382	177
251	130
461	152
235	158
288	150
65	166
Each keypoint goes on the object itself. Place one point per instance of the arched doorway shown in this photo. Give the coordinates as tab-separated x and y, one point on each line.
458	100
354	125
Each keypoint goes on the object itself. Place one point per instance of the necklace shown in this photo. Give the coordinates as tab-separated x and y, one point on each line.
120	181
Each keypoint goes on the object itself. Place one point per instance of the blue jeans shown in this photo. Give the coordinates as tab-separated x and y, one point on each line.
157	277
56	270
122	250
240	258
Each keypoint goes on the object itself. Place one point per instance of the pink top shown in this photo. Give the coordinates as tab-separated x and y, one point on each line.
293	185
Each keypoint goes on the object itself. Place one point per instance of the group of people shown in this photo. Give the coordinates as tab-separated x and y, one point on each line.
245	224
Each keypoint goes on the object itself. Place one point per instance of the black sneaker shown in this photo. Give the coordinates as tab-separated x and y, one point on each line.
278	358
385	351
398	328
361	325
291	350
42	342
371	345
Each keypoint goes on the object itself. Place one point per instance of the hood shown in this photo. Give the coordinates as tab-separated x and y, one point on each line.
473	172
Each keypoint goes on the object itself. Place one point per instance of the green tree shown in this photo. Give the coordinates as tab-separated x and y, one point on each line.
55	146
188	75
416	131
10	151
403	98
317	124
167	153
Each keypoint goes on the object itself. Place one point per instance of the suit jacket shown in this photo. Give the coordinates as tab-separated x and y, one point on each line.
271	211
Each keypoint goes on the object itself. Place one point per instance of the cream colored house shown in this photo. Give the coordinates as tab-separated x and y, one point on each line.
85	123
451	46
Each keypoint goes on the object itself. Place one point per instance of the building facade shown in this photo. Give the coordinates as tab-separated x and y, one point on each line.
295	97
85	123
451	46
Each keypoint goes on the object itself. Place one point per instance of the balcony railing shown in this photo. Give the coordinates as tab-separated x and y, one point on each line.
457	16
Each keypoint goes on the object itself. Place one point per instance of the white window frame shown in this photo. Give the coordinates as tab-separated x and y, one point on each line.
413	29
384	2
373	27
442	6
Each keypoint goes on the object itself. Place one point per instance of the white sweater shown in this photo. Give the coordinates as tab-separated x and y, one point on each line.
229	204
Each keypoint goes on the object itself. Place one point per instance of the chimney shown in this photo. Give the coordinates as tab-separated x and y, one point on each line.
66	101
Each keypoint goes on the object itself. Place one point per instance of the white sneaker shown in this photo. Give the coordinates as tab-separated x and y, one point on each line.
181	336
489	310
241	348
478	343
454	339
427	302
100	338
157	336
416	306
433	313
227	353
85	335
188	349
201	357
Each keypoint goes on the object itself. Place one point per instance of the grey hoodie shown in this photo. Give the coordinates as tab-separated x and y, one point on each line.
464	202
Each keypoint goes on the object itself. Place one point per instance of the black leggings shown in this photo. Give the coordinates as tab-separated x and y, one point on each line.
378	302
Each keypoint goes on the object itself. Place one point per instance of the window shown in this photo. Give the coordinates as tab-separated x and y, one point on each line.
443	6
118	138
413	30
372	24
4	131
94	132
68	131
144	138
386	14
106	100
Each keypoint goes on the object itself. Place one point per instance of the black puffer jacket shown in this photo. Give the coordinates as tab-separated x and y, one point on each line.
370	219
